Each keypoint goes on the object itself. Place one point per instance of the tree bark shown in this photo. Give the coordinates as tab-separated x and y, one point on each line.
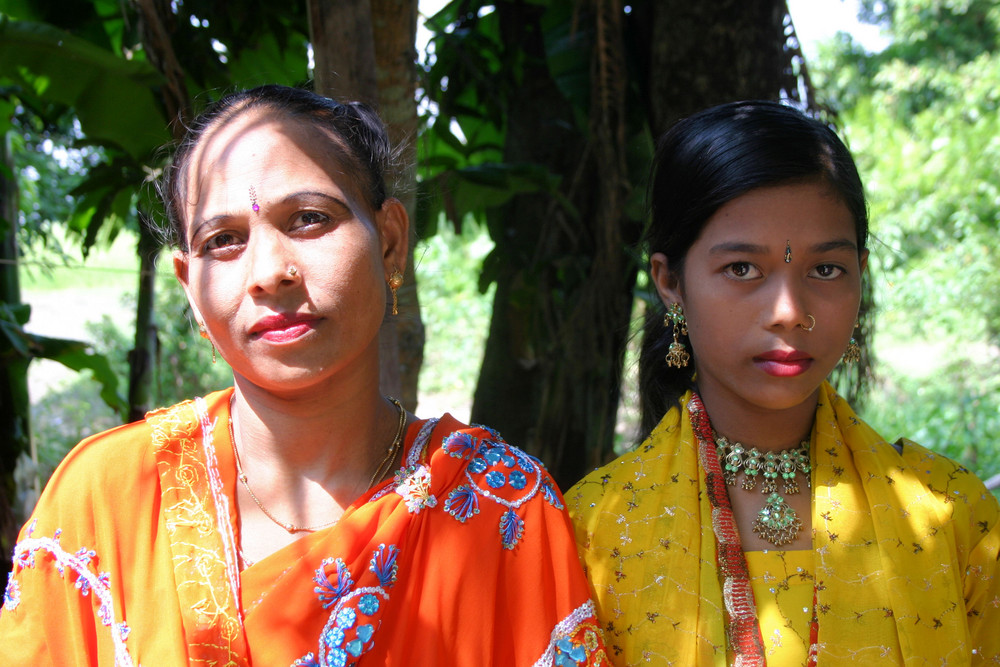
698	54
378	66
142	356
552	366
551	370
15	410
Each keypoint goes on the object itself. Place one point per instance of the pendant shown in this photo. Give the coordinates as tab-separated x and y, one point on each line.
777	522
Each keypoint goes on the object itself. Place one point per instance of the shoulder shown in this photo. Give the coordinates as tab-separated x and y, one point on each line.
477	474
960	494
110	466
626	479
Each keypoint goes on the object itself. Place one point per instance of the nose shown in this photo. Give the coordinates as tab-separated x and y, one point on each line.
788	307
271	263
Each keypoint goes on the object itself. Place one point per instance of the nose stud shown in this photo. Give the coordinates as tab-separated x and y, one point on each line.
812	323
292	271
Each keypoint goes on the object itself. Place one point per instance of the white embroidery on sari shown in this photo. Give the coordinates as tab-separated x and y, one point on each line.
87	582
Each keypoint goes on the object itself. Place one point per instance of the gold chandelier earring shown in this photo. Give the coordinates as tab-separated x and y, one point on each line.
852	354
395	282
677	354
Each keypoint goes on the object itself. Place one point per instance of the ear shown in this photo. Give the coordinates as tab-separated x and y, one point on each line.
181	266
665	279
863	260
394	232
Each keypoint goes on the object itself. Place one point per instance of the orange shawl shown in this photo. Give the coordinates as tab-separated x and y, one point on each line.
465	558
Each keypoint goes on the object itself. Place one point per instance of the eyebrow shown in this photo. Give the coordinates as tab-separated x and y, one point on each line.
737	247
756	249
303	194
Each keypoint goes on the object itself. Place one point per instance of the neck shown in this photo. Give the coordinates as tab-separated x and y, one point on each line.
766	429
317	437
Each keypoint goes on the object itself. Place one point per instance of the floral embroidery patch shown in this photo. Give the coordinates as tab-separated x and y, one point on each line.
32	552
413	483
575	641
12	593
354	612
501	473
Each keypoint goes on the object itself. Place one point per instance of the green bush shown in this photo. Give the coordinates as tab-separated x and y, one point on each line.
955	412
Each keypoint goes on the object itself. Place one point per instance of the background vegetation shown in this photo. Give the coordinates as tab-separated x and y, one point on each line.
536	129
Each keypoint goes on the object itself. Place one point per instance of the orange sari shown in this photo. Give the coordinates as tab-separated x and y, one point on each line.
465	558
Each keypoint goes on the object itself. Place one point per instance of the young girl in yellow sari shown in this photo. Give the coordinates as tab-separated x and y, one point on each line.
761	521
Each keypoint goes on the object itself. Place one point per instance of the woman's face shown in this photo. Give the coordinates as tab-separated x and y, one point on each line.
286	265
748	309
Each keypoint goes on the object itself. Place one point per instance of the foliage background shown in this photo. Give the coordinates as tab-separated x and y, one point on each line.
922	119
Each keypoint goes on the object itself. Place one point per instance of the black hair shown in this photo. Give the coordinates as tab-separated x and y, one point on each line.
706	161
366	151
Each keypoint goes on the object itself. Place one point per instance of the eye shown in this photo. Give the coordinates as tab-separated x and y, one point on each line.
221	241
741	271
827	271
310	218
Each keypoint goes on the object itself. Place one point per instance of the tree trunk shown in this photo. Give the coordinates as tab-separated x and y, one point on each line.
15	409
551	370
378	66
552	366
142	357
698	54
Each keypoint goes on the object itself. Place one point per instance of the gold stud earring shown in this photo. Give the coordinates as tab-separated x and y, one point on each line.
395	282
677	354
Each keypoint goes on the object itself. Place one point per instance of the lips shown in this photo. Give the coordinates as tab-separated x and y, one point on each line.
281	328
784	363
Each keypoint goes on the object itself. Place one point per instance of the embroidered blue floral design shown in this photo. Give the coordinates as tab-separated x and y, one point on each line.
460	445
330	591
368	604
495	479
550	494
308	660
384	565
492	455
462	503
350	629
346	619
501	473
569	654
511	528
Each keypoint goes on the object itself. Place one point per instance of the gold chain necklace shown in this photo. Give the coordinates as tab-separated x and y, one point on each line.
777	522
381	471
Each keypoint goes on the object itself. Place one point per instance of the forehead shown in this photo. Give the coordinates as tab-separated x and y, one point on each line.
804	211
267	151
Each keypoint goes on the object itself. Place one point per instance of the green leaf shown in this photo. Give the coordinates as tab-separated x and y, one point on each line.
113	97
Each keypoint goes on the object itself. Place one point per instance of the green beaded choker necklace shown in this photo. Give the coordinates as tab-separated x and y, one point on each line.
776	522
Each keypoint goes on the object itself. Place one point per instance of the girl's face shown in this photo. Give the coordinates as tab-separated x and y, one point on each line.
264	195
748	309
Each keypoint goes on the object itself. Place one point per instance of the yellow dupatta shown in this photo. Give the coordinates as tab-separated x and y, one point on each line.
905	550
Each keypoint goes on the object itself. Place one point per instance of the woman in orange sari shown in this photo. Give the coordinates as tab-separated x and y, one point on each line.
300	517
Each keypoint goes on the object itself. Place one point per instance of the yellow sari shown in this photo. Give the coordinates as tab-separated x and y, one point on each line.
905	550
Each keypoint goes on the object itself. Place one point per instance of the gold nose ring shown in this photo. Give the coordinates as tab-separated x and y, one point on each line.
812	323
